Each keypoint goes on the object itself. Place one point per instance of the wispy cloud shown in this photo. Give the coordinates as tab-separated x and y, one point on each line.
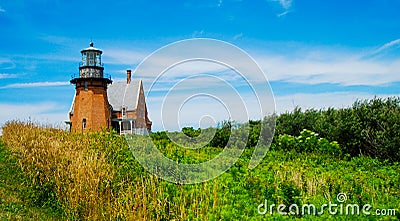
322	100
286	5
283	13
2	10
36	84
6	63
236	37
197	34
292	63
203	4
298	63
317	64
341	69
392	44
4	76
46	112
56	39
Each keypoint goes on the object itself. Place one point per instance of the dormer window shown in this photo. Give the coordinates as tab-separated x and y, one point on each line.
123	111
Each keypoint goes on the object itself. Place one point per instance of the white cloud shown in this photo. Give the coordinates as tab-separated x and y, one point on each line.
191	58
4	76
6	63
295	63
286	6
42	113
394	43
238	36
51	57
192	99
292	63
197	34
298	64
179	110
36	84
321	101
283	13
341	69
56	39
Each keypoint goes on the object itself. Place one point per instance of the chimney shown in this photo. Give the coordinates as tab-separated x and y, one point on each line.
128	76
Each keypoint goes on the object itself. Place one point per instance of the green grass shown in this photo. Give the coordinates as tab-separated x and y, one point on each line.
14	193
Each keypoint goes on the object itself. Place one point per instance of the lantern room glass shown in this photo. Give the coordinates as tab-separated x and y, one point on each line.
91	58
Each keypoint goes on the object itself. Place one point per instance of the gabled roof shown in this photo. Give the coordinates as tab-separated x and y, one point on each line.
122	94
117	97
71	109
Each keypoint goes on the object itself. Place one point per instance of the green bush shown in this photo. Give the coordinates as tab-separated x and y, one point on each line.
369	127
222	134
307	141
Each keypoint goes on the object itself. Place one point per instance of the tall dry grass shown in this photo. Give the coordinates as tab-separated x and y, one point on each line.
62	166
94	176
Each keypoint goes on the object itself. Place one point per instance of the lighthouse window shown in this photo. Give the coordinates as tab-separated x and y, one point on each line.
84	123
91	59
86	86
98	60
84	58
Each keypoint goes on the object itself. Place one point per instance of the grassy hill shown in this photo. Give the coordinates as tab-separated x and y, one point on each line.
94	176
346	159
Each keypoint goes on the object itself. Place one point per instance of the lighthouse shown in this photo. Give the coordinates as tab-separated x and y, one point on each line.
90	110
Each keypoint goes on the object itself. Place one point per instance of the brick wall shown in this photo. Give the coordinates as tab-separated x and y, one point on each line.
92	105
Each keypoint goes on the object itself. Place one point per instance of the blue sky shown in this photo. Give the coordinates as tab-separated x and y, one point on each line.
316	54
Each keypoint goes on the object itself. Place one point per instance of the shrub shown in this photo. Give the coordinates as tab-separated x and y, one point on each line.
369	127
307	141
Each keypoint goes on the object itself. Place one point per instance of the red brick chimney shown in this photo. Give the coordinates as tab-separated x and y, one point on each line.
128	76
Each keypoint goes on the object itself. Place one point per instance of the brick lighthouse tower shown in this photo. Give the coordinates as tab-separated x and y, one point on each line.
90	110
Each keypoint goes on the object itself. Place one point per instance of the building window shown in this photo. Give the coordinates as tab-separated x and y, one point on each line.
84	123
86	86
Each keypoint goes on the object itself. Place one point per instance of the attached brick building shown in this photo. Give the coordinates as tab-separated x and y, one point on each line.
100	103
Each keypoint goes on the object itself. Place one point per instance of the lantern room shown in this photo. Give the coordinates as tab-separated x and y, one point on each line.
91	66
